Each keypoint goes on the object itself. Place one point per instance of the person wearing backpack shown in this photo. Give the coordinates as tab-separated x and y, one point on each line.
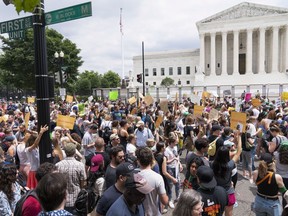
29	204
215	134
106	128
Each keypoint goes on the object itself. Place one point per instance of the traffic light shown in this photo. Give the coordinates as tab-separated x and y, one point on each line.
64	76
57	77
139	78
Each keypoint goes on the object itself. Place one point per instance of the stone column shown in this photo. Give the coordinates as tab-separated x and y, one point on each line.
249	52
202	54
213	53
286	48
275	49
224	53
261	68
236	52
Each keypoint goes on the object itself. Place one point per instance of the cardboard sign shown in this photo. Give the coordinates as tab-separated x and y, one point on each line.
113	95
27	117
3	118
256	102
248	97
134	111
176	97
148	99
213	114
65	121
30	100
284	96
69	98
132	100
159	121
238	121
206	94
164	105
198	110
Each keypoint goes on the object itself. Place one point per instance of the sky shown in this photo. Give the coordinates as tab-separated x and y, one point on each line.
162	25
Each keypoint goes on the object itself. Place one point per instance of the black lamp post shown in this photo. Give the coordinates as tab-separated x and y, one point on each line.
60	57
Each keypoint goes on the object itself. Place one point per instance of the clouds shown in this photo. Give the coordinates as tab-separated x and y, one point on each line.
161	24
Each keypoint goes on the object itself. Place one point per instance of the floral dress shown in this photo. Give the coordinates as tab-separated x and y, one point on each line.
7	208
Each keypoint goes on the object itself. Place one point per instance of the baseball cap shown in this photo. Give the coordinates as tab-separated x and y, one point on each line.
96	161
139	183
206	177
267	158
113	136
228	143
124	169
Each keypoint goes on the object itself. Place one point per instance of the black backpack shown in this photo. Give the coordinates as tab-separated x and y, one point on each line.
19	204
86	200
106	134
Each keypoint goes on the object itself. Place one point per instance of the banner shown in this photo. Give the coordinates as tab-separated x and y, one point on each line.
164	105
65	122
30	100
158	121
27	117
113	95
148	99
256	102
69	98
238	121
132	100
213	114
198	110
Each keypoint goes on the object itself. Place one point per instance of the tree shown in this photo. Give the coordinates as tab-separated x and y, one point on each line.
23	5
18	58
112	78
167	82
83	87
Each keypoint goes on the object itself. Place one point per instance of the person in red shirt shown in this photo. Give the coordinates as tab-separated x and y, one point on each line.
31	206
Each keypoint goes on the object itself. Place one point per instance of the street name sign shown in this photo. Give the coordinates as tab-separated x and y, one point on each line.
69	13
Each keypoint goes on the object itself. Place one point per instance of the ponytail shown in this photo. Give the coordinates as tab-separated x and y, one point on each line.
262	169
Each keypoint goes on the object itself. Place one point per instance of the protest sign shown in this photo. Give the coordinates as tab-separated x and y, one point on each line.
69	98
248	96
198	110
65	121
91	98
195	99
30	100
148	99
238	121
132	100
158	121
133	111
284	96
238	105
113	95
213	114
164	105
256	102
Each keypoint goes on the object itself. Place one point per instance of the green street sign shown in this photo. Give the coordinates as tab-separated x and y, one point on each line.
17	34
69	13
16	25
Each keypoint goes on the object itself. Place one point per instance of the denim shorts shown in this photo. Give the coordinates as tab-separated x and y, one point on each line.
266	207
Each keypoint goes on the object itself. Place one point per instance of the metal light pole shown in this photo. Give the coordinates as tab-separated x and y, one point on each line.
41	75
60	58
143	68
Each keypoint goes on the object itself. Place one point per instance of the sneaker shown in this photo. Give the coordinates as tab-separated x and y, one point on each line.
171	205
235	205
251	180
164	211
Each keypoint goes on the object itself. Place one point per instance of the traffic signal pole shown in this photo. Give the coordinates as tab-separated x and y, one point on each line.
41	77
143	70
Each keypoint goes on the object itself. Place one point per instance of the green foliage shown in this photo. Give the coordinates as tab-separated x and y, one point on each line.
167	82
112	78
25	5
18	58
83	86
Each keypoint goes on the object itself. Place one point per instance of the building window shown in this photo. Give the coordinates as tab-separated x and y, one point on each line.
208	65
154	83
154	72
218	65
188	82
179	82
171	71
146	72
146	83
179	72
187	70
162	71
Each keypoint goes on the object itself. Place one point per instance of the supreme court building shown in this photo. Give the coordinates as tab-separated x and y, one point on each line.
244	45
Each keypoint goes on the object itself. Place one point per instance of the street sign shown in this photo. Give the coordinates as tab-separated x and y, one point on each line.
20	34
16	25
69	13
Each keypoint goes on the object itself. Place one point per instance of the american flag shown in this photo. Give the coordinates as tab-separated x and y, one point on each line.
121	26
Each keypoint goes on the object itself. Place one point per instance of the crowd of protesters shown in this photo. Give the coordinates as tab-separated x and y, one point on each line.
131	154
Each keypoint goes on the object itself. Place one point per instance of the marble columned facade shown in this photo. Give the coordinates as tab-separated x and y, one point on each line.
245	44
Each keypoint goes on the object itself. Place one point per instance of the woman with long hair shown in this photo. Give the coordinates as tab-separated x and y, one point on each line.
268	185
190	204
9	189
222	167
191	182
277	139
32	151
